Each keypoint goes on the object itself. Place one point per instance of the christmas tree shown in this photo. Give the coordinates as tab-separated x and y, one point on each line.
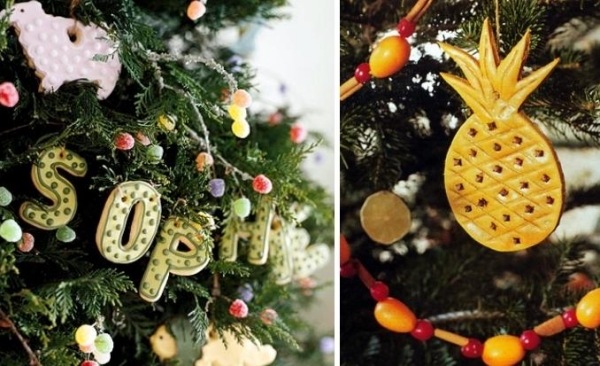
150	214
441	243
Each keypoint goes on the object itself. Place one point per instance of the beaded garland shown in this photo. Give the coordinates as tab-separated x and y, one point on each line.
499	350
390	55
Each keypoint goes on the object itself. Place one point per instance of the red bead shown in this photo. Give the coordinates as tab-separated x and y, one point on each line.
406	28
379	291
348	270
570	318
89	363
530	340
362	74
473	349
423	331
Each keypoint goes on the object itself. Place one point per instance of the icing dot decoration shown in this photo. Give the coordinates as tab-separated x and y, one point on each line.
124	141
238	309
261	184
9	95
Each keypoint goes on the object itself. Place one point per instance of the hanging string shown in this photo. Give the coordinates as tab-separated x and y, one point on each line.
497	6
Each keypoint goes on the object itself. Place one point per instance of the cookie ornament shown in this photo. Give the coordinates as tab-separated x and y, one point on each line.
63	50
502	177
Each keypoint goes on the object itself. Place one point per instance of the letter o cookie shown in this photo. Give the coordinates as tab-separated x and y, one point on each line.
144	200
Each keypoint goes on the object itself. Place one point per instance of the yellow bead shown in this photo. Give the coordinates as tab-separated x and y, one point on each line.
393	315
389	56
85	335
502	350
166	122
240	128
588	309
236	112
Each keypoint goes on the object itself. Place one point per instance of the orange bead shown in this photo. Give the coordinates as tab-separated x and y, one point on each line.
588	309
345	251
503	350
393	315
390	55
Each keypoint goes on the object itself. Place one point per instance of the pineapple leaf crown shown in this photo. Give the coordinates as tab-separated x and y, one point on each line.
492	88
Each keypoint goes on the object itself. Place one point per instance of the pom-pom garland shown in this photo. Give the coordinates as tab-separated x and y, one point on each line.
262	184
498	350
26	243
238	309
9	95
195	10
124	141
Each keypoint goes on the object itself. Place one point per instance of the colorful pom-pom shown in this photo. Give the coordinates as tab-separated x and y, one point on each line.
104	343
262	184
216	187
9	95
87	348
167	122
275	119
154	154
298	133
246	292
124	141
241	207
236	112
240	128
268	316
203	161
101	358
242	98
327	345
238	309
10	231
5	197
196	10
65	234
26	243
142	139
89	362
85	335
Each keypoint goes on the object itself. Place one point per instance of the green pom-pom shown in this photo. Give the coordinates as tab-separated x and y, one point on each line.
154	154
10	231
65	234
104	343
5	197
241	207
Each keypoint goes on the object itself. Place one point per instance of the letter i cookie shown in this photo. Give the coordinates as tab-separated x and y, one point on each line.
55	187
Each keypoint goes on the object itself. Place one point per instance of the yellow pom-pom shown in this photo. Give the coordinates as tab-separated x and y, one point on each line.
163	343
166	122
85	335
503	350
240	128
242	98
195	10
588	309
236	112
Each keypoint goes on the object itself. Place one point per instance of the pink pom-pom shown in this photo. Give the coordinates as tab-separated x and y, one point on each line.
196	10
268	316
142	139
9	96
238	309
87	348
124	141
298	133
242	98
26	243
262	184
275	119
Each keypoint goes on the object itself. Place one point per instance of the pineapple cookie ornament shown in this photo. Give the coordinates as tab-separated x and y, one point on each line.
502	177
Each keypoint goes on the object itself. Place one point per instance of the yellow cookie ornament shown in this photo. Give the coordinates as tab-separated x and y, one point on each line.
502	177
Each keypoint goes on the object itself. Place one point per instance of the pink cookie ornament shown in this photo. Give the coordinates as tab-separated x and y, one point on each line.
63	50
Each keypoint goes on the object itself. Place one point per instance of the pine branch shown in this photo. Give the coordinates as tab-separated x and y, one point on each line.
33	359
